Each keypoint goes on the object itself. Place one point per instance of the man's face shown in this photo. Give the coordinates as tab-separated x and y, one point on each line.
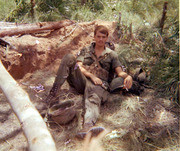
100	39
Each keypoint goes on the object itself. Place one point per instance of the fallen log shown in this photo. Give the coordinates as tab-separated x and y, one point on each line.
4	43
33	28
34	128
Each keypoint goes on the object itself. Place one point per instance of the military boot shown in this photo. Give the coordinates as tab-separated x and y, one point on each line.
89	129
52	93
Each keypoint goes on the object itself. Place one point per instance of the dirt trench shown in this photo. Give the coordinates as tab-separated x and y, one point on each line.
29	53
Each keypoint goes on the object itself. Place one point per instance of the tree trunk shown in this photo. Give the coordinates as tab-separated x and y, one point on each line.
35	130
33	28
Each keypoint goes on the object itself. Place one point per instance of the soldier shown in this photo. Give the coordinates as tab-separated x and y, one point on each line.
91	74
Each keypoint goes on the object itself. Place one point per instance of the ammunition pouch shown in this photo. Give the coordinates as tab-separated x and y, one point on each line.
97	71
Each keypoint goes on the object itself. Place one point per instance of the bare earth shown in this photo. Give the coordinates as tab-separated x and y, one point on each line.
33	62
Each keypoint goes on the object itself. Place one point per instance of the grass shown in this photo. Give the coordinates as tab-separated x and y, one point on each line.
138	123
87	14
6	6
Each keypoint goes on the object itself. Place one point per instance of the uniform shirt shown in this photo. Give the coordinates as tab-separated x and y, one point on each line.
108	60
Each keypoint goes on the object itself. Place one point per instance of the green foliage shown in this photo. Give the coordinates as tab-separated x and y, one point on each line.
6	9
160	51
165	72
87	14
163	56
49	10
97	6
49	5
22	7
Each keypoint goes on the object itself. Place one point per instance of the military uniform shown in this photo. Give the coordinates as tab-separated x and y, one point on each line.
94	95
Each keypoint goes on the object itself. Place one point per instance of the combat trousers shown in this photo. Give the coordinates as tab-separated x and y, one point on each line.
94	95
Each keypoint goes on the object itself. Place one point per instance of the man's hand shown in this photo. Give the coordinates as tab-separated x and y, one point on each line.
96	80
127	78
128	82
93	78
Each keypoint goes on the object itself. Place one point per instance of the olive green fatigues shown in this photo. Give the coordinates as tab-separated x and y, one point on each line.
94	95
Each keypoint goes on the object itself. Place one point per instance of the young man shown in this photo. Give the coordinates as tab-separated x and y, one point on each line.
94	83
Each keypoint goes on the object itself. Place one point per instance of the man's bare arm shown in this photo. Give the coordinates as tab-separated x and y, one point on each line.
94	79
127	78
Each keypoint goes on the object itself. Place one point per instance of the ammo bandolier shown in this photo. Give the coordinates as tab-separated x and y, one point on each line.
103	67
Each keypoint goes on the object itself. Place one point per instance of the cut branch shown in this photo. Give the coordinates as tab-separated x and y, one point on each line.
34	28
130	32
35	130
163	17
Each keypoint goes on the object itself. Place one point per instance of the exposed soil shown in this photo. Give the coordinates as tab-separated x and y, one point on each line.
33	62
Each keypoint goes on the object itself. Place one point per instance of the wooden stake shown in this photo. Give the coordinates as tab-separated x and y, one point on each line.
163	17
